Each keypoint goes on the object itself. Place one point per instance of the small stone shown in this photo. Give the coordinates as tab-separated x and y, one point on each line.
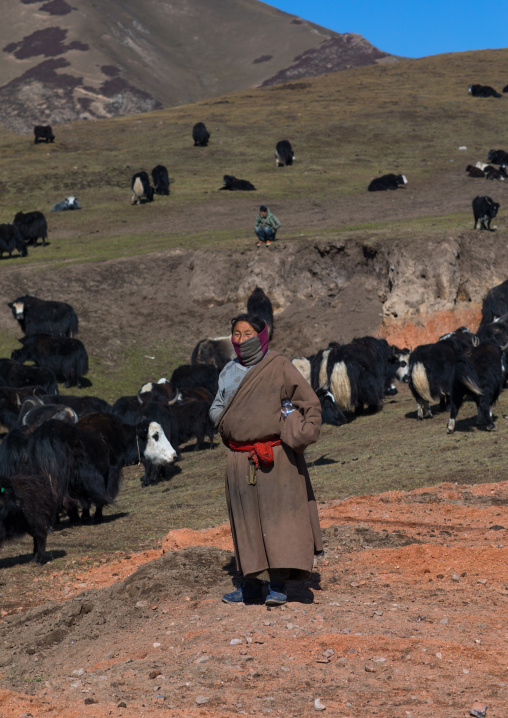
478	710
202	659
78	672
318	706
440	575
379	659
483	581
141	604
444	621
160	697
201	700
455	578
235	641
370	668
289	626
90	701
122	705
156	645
153	674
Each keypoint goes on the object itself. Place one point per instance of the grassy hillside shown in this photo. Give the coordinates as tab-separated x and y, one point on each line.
345	128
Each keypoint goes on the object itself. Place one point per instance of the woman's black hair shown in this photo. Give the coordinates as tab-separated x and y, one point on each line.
254	320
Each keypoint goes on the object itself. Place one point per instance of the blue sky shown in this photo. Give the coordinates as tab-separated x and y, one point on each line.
411	28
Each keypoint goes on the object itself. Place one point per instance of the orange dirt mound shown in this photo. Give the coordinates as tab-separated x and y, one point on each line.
429	329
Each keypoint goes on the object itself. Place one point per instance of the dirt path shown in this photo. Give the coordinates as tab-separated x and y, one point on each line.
404	617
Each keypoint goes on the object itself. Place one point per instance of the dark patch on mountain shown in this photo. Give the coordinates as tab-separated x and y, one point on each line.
337	53
263	58
110	70
48	42
56	7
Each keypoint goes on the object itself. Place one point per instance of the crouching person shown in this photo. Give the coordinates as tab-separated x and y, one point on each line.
266	226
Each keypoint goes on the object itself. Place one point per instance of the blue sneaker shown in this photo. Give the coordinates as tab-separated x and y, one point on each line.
248	592
277	595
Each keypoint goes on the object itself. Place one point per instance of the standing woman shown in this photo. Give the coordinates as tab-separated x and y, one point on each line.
267	414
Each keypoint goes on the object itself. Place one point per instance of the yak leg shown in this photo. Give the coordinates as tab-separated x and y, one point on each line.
39	555
423	410
97	518
456	399
485	414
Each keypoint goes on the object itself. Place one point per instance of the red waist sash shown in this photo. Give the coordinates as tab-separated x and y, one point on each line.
260	452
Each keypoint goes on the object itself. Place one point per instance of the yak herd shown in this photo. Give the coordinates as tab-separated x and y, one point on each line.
24	230
143	191
64	454
460	365
484	207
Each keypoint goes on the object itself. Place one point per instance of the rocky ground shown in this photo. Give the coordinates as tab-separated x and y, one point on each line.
404	617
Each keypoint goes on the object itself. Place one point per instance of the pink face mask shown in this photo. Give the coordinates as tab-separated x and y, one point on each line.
252	350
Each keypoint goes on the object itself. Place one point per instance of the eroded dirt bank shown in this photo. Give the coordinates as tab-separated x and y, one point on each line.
321	290
404	616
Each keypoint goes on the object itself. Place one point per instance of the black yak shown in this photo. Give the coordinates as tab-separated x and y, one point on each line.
141	188
14	374
284	154
31	226
43	133
160	179
200	135
258	303
64	356
10	239
387	182
484	209
231	183
27	505
41	316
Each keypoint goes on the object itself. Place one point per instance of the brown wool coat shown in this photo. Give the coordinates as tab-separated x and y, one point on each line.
275	522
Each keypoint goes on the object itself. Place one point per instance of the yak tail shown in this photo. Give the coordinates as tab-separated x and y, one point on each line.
421	382
323	374
471	384
303	366
466	374
340	386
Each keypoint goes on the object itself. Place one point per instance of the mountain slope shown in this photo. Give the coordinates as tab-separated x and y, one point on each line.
63	62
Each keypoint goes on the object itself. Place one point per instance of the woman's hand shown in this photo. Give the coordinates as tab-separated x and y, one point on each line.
286	408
